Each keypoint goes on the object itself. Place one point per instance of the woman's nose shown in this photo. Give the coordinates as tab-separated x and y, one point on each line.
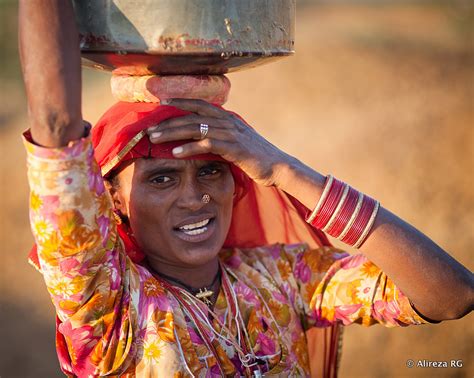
190	196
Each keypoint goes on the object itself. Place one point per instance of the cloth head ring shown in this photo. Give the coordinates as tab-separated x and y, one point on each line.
204	129
206	198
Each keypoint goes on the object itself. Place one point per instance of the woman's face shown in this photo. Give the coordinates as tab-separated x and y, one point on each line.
162	199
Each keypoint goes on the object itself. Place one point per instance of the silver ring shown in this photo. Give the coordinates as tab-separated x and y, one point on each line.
204	129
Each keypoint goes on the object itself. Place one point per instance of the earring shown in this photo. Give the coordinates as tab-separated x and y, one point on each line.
117	217
206	198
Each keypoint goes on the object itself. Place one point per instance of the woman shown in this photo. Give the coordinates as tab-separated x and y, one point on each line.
187	179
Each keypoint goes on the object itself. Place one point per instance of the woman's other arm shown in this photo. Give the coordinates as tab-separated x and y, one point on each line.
50	59
440	287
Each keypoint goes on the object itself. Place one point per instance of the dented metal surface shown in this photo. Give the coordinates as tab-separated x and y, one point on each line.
184	36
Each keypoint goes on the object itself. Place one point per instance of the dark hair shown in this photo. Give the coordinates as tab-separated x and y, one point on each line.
113	176
113	179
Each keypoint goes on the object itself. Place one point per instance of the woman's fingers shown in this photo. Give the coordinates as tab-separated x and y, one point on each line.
200	107
187	120
190	131
180	121
205	146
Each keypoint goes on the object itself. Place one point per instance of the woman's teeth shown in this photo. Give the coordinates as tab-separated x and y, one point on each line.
195	228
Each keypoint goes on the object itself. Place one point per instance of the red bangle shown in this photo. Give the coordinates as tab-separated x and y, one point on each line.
361	221
351	236
368	226
329	205
327	187
346	212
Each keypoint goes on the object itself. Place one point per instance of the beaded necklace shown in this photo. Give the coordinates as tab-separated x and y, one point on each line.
191	307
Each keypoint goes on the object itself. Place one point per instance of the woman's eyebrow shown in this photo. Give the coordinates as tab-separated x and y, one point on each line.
168	169
161	170
212	163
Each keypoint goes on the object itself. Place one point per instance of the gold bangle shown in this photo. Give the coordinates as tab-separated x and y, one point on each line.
353	217
369	225
338	209
327	187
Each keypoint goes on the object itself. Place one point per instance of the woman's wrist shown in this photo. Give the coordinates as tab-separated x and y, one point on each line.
300	181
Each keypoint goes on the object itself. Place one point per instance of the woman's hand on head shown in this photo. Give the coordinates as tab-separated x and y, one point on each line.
228	136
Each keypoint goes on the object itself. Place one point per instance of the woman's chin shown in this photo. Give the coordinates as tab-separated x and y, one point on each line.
186	258
198	248
199	254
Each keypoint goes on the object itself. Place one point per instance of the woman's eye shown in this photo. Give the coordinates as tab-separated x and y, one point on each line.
160	180
208	171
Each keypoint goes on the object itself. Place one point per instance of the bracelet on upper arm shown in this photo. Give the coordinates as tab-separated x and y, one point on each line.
344	213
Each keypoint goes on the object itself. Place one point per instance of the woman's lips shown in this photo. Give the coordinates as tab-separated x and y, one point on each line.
196	235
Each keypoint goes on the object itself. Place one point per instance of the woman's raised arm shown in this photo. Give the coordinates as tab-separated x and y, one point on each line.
50	59
84	266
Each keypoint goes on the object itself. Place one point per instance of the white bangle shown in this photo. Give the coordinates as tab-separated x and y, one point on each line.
326	190
338	209
369	225
353	217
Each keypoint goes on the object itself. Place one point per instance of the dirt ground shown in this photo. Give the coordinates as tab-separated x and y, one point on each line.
380	96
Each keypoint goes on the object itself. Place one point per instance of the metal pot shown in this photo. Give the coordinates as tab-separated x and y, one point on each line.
184	36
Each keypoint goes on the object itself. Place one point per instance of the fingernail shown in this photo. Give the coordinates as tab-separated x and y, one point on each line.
156	135
177	150
166	101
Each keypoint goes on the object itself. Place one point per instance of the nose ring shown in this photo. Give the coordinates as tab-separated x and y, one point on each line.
206	198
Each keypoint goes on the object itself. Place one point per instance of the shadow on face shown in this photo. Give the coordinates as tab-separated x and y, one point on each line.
163	201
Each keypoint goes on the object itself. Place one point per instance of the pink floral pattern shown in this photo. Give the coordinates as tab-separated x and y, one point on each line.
115	318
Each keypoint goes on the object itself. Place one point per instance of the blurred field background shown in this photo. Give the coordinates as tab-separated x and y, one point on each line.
379	94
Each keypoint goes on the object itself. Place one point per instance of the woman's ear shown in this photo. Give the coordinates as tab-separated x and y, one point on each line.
118	201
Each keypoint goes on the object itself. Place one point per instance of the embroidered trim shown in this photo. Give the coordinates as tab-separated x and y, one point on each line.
124	151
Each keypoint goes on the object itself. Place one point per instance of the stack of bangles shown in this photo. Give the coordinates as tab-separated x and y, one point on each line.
344	213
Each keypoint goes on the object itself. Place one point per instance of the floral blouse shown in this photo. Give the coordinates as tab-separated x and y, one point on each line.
115	318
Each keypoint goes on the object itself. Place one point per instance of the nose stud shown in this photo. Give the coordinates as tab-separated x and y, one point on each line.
206	198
